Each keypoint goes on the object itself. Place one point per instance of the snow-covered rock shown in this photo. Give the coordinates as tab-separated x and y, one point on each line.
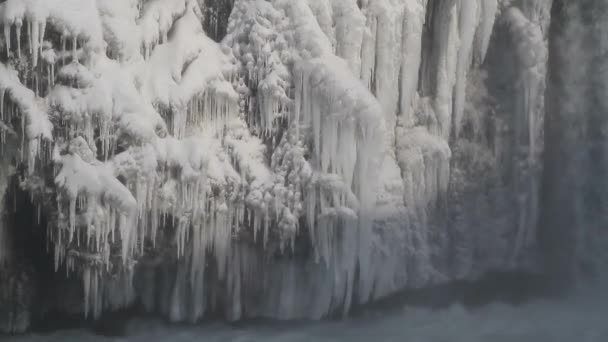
322	154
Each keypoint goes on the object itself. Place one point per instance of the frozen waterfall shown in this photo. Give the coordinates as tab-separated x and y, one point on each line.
293	158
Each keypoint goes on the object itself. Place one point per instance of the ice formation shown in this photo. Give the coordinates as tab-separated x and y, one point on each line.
189	173
153	134
5	245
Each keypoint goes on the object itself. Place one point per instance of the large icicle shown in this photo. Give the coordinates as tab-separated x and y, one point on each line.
487	16
467	20
531	49
413	21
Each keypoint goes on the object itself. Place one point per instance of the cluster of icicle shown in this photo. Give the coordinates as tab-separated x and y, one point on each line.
327	105
274	130
416	57
150	128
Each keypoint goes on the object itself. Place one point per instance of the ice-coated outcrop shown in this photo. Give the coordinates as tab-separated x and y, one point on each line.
283	158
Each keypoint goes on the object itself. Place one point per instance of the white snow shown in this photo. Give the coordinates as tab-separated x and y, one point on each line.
75	19
95	97
32	107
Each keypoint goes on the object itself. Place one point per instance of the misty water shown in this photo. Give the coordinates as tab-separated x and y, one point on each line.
579	318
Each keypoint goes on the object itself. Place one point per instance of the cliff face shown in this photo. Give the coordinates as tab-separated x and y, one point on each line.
290	158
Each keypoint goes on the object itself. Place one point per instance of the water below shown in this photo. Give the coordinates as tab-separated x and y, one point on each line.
581	318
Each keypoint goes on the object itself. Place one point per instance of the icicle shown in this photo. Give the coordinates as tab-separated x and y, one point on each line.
63	47
75	48
29	36
413	23
7	37
18	24
446	76
467	25
484	30
86	277
42	33
72	219
37	86
266	227
57	257
95	293
35	39
2	92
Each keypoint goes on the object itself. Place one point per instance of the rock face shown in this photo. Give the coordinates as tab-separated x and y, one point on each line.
293	158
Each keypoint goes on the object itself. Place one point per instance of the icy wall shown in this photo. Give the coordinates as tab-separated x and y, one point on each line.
284	158
575	187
